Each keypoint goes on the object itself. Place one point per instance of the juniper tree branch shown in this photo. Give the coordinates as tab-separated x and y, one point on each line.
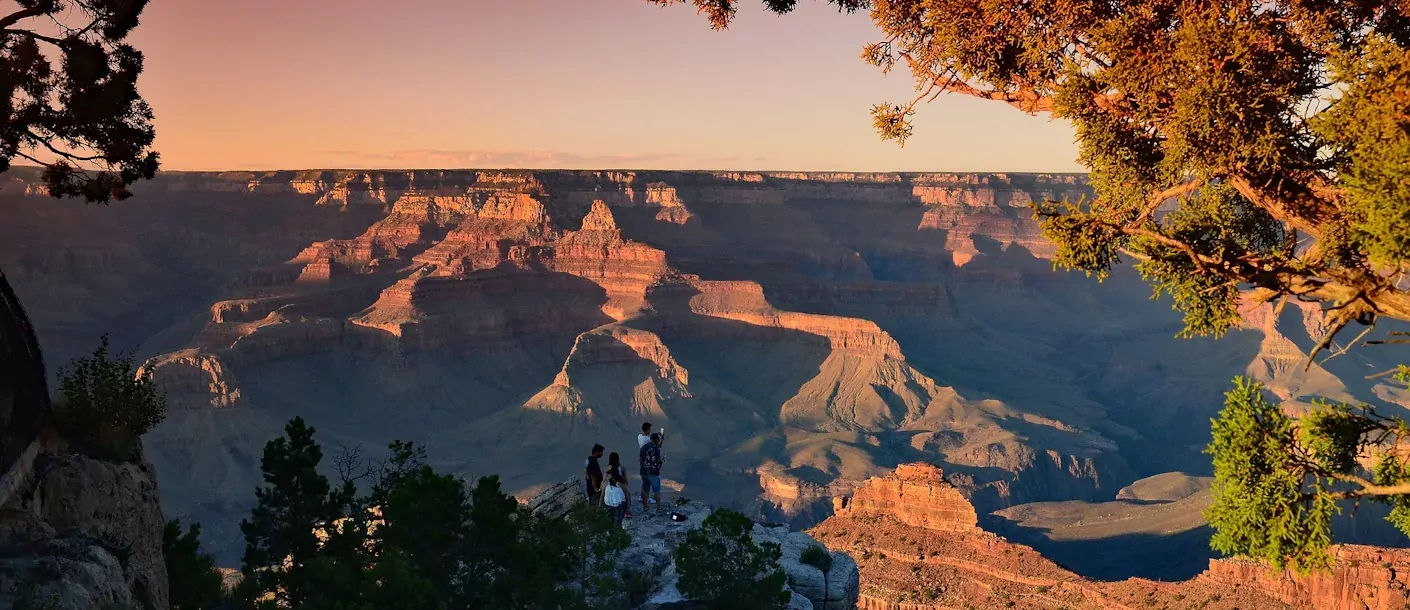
1367	488
1161	197
58	42
23	14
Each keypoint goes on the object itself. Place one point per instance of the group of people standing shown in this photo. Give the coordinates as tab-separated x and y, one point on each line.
611	489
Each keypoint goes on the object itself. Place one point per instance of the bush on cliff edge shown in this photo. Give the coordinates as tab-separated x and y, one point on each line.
721	565
107	405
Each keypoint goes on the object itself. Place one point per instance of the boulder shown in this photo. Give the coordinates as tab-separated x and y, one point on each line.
558	499
24	390
839	588
654	542
87	532
74	573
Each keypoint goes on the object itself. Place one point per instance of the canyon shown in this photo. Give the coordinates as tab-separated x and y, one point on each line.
796	334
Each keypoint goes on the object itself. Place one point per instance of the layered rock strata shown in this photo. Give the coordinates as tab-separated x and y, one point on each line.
920	555
798	333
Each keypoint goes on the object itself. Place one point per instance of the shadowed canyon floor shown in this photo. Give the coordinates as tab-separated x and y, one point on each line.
794	333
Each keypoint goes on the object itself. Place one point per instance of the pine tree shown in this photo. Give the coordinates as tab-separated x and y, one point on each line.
194	582
292	505
425	518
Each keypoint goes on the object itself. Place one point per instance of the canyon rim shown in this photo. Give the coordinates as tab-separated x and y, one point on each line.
796	333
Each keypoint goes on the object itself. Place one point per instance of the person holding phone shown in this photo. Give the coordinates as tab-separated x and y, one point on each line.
650	460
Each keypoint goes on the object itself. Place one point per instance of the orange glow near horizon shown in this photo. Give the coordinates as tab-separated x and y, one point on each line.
263	84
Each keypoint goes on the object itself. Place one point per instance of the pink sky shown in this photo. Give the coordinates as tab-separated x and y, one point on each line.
260	84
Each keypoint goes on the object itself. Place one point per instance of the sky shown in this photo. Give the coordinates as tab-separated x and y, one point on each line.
294	84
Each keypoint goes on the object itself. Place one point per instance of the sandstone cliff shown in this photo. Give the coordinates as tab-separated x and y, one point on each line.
918	547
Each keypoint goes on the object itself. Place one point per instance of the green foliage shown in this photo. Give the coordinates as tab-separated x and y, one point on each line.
293	503
70	81
194	583
1260	507
720	563
1369	132
1393	470
1083	243
818	557
417	540
1213	224
1278	481
107	405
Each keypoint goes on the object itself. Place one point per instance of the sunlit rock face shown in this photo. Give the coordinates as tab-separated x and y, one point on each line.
794	333
919	547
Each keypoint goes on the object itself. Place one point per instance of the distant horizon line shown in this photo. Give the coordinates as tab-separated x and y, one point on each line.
585	169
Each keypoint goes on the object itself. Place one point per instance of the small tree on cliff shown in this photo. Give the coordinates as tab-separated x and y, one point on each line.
721	565
1240	152
107	404
819	557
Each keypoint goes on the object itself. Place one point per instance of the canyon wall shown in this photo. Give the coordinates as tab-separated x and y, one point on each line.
1363	578
796	333
915	555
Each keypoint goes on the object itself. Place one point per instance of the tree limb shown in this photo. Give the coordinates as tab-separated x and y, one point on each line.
1306	213
1340	323
1200	260
1348	347
21	15
1367	488
58	42
1163	196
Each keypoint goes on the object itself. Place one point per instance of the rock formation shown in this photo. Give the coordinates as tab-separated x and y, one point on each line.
797	333
82	534
24	396
650	558
917	555
1365	578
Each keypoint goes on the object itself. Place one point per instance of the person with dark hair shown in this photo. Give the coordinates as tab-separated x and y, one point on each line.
615	498
615	468
592	474
650	458
645	436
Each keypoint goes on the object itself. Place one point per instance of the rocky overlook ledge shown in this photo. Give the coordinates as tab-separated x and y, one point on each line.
654	540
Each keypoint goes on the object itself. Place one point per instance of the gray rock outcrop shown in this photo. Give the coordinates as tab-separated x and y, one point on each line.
650	558
83	534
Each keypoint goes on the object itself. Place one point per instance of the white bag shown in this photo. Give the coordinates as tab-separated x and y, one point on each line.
613	496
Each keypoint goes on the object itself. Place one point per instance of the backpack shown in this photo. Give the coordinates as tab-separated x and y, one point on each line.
613	496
